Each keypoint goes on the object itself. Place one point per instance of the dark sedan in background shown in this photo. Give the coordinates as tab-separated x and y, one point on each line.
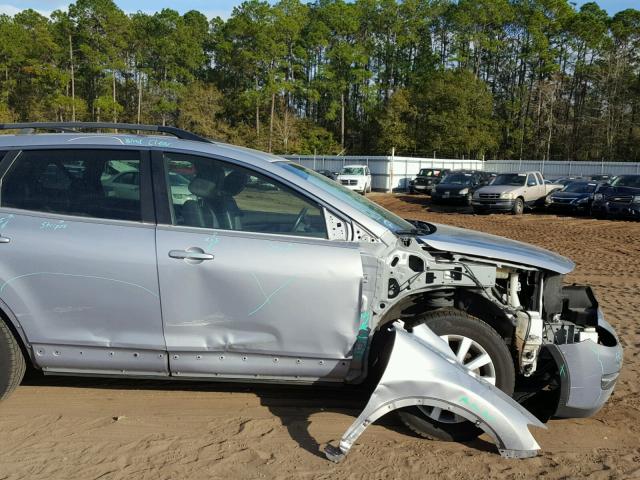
575	197
621	198
458	187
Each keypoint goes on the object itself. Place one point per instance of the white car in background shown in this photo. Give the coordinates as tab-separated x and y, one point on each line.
356	178
126	186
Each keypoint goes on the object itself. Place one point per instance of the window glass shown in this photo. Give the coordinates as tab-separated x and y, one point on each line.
580	187
352	171
359	202
208	193
512	179
540	179
87	183
458	179
627	181
2	154
531	181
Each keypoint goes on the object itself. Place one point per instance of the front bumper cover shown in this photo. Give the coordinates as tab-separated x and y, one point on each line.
439	197
498	205
588	372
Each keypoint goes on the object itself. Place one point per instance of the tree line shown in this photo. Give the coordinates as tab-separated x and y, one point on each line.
534	79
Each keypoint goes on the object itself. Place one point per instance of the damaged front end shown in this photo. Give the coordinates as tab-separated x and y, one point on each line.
567	358
420	371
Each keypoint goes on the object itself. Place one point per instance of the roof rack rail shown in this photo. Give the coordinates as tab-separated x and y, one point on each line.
73	126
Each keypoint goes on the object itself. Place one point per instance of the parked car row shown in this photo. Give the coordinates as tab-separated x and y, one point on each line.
598	195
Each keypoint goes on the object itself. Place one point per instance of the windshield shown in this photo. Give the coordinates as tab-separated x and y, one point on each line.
428	172
627	181
458	179
580	187
352	171
355	200
514	179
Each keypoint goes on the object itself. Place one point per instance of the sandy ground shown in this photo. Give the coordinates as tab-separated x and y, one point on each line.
61	428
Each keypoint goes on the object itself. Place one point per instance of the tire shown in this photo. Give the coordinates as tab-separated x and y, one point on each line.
12	364
518	206
456	323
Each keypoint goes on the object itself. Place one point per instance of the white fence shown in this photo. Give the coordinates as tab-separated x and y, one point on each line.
394	173
387	172
563	168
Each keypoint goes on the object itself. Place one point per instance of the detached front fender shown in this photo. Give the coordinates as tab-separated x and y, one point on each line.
420	371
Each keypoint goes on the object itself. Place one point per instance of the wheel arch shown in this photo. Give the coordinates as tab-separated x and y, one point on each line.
412	307
11	321
467	300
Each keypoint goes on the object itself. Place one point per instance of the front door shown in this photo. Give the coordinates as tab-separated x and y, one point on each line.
250	285
78	265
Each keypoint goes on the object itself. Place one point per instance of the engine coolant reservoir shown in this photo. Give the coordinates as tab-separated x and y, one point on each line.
589	333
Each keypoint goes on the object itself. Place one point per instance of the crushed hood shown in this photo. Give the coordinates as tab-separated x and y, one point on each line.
470	242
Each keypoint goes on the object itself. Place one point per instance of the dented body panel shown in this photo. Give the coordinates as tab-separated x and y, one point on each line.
262	297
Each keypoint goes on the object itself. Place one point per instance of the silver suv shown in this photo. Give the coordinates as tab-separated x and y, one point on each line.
261	270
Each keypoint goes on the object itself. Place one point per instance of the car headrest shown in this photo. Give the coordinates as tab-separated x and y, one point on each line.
234	183
208	182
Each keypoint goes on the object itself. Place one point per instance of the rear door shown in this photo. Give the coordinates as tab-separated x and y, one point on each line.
250	285
78	266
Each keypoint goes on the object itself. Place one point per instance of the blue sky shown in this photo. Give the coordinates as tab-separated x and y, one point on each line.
212	8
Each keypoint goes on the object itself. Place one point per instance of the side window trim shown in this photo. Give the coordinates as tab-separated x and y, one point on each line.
147	205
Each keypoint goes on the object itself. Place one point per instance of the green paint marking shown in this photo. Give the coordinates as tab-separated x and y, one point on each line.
212	241
364	320
474	407
562	372
5	220
267	298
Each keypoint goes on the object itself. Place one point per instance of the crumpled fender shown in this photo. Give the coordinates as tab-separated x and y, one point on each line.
421	370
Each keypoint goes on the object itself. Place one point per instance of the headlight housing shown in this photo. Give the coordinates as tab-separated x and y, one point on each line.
636	199
464	191
598	196
507	195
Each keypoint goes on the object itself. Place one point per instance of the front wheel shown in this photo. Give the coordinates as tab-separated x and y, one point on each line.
480	349
518	206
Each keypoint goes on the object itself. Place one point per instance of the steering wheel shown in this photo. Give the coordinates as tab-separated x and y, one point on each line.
300	218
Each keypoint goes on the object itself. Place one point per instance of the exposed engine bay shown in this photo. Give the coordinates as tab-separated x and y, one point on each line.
528	306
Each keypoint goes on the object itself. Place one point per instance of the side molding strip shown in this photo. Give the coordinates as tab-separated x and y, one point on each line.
420	372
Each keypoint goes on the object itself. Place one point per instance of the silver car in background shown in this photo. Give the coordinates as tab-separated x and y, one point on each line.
269	272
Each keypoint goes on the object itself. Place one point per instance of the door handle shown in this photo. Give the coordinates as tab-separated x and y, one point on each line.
4	239
193	253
